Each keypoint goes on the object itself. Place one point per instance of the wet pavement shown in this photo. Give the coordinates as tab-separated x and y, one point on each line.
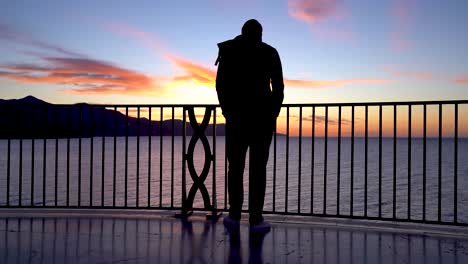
84	237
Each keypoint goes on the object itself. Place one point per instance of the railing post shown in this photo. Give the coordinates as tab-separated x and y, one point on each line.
214	210
185	212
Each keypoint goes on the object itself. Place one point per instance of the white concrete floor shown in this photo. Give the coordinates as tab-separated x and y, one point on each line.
131	238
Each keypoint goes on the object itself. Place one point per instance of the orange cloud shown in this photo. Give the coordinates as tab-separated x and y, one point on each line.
204	75
194	71
86	76
322	84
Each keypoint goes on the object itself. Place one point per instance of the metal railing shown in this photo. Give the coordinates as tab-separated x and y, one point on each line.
397	161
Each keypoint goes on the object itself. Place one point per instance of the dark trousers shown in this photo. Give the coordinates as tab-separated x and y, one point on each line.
241	134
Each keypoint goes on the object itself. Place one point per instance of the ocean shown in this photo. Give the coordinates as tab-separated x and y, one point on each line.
159	177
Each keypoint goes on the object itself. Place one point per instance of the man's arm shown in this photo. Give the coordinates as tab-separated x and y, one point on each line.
277	83
221	85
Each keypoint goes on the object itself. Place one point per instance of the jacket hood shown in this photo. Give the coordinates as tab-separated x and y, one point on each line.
238	42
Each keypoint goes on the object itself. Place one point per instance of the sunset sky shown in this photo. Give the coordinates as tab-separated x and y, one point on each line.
163	52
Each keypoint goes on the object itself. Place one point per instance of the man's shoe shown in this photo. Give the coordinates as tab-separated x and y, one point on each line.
262	227
230	223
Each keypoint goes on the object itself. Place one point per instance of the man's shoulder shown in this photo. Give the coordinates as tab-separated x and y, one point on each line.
268	48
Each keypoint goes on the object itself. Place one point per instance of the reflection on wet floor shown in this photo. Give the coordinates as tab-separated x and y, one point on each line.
168	240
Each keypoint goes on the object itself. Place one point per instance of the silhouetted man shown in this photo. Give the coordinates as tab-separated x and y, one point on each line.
246	68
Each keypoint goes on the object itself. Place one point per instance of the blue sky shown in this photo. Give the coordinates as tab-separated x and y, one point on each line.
163	51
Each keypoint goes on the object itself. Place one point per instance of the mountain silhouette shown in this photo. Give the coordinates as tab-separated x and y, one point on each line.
30	117
26	100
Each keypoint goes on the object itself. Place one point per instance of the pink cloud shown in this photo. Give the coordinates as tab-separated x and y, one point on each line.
7	33
399	72
148	40
461	79
402	14
328	18
312	10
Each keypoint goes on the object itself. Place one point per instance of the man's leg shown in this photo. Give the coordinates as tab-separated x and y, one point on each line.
259	152
236	147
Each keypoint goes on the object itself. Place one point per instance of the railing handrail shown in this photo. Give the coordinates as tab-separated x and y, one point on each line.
374	103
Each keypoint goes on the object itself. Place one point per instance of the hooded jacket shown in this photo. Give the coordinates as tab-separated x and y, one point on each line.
245	71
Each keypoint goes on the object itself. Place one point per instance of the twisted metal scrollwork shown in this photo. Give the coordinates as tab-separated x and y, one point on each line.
198	180
188	159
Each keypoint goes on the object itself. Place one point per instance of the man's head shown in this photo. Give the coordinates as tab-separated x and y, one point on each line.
252	30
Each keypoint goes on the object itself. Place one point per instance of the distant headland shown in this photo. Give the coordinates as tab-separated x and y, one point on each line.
30	117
